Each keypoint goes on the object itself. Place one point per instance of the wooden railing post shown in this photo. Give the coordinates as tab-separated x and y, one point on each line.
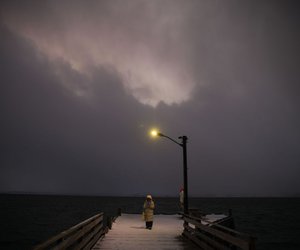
109	222
119	211
252	243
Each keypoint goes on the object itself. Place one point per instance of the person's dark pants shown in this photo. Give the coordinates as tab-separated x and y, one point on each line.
149	224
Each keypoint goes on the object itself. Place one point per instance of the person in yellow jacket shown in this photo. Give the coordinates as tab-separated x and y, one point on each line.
149	211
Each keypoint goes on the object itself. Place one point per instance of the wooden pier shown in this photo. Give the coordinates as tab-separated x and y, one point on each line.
128	232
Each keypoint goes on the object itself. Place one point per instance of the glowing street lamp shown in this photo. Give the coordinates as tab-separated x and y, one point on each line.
155	133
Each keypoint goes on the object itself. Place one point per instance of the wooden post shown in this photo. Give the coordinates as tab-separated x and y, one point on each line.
119	211
109	222
252	243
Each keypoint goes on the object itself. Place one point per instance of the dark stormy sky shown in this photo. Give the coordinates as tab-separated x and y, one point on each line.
82	83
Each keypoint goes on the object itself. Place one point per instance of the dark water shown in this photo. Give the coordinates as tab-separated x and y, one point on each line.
26	220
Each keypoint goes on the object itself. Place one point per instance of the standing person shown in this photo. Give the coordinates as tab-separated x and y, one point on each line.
148	211
181	198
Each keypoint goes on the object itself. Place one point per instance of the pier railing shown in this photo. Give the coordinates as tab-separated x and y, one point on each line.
213	236
81	236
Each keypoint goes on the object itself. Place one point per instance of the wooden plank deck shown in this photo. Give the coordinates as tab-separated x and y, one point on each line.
128	232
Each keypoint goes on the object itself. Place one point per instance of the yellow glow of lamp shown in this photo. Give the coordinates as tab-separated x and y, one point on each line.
154	133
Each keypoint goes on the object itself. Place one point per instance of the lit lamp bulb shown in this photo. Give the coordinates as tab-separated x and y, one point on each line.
154	133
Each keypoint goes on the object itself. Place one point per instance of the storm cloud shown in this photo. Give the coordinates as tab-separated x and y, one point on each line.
83	82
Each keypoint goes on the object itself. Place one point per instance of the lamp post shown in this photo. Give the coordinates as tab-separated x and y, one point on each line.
183	143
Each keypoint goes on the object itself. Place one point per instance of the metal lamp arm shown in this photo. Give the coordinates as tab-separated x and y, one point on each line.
162	135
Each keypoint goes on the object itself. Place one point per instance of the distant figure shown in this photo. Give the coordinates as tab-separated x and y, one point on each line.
181	198
148	211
